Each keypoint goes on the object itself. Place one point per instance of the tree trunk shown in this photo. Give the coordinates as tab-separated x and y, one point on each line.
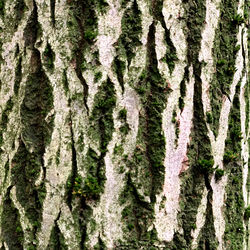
124	124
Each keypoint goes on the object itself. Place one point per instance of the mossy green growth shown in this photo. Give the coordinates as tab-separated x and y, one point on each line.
12	232
229	156
131	31
124	129
247	213
5	118
118	149
234	204
238	19
49	57
218	174
5	114
97	76
2	5
209	117
25	170
102	115
136	215
37	103
57	240
224	53
170	56
205	166
123	114
92	185
91	188
196	178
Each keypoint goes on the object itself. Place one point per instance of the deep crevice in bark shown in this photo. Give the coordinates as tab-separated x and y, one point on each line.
57	241
52	12
224	53
208	238
18	75
199	151
28	161
12	233
234	204
170	56
72	178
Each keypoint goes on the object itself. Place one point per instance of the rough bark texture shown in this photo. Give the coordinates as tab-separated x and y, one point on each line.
124	124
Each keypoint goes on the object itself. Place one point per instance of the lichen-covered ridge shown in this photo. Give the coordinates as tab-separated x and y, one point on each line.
124	124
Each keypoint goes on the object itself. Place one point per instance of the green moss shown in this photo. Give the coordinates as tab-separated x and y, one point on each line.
229	156
197	177
247	213
123	114
119	67
100	245
37	103
170	56
205	166
12	232
207	238
224	54
57	240
234	205
91	188
2	6
131	32
49	57
209	117
5	114
65	81
174	116
102	114
181	103
218	174
118	149
98	76
146	169
134	215
124	129
238	19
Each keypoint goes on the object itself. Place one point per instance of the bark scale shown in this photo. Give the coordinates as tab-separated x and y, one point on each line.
124	124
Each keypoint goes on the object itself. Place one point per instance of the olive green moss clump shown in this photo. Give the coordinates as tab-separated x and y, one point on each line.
234	210
224	54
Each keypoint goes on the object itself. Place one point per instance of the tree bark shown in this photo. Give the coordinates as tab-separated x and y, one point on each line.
124	124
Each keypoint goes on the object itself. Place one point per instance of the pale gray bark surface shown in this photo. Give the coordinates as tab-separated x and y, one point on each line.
124	124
